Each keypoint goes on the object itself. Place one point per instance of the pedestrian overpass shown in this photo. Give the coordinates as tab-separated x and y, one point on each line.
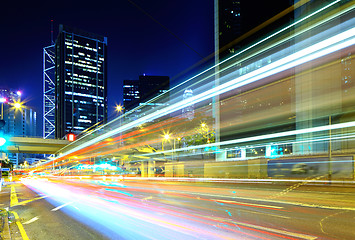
35	145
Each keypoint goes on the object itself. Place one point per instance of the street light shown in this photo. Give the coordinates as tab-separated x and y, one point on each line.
17	105
119	108
167	137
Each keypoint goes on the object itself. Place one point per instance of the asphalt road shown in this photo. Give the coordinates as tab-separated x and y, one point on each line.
38	220
58	208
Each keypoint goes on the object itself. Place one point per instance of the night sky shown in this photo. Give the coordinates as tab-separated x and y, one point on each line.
136	43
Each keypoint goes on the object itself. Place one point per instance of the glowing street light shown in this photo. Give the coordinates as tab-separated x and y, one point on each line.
17	105
119	108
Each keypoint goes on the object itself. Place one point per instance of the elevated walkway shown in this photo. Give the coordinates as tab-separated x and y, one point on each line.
35	145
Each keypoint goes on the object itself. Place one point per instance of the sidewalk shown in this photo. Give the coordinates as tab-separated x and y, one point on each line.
4	213
5	229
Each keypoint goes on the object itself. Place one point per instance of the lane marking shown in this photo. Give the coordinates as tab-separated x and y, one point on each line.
31	220
273	201
146	198
13	197
246	204
61	206
325	218
269	214
20	227
274	230
27	201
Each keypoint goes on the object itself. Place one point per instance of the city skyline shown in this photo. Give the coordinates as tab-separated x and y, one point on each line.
152	39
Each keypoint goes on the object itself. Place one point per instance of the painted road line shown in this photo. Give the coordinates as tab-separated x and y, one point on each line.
13	197
272	201
268	214
20	227
246	204
61	206
31	220
27	201
274	230
268	229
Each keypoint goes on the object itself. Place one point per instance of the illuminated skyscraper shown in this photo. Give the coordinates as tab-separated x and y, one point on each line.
139	92
20	120
81	80
234	18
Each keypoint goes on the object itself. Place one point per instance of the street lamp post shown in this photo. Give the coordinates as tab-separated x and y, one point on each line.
166	138
119	110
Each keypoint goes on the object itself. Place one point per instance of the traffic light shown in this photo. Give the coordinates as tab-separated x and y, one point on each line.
2	141
71	137
2	135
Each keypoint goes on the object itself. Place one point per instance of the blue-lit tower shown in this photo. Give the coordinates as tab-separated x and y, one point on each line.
80	80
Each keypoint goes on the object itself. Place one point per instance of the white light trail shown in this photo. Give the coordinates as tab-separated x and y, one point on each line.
330	45
323	48
266	136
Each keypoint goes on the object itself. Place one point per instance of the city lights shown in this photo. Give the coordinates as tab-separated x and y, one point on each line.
17	105
258	142
119	108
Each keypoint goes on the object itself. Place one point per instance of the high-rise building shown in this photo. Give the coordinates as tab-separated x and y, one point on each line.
139	92
131	94
239	24
80	80
234	20
188	112
20	120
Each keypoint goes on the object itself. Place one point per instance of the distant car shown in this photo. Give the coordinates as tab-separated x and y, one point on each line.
300	168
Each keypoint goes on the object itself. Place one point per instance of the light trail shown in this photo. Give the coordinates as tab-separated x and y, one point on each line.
152	117
269	136
105	208
330	45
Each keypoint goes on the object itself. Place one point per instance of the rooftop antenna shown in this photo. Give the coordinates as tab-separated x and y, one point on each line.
52	42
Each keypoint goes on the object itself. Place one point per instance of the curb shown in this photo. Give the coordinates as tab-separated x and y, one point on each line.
5	228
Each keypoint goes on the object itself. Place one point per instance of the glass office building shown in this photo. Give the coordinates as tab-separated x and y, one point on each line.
138	93
81	81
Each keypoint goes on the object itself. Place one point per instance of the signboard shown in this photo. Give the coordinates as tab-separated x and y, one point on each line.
5	169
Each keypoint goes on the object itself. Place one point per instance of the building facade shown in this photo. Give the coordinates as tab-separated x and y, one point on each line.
238	25
138	93
80	81
20	120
